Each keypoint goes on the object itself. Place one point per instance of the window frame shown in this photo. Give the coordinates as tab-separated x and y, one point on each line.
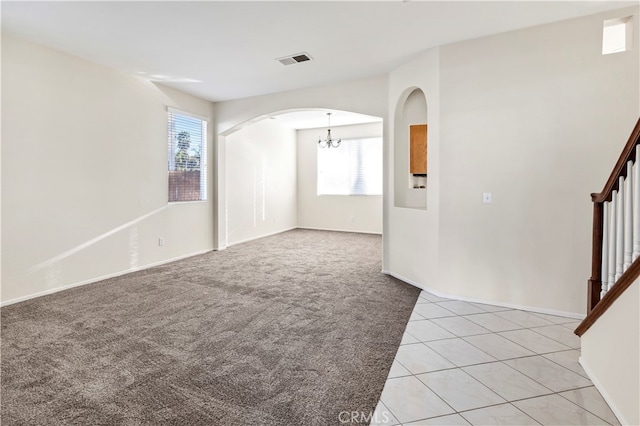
378	139
203	167
626	24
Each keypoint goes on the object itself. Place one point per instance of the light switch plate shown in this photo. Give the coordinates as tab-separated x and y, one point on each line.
486	198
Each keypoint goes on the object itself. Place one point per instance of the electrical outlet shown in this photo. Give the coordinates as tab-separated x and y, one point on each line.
160	241
353	218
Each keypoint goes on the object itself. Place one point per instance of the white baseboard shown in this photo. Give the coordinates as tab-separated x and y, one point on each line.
339	230
101	278
259	236
603	392
488	302
289	229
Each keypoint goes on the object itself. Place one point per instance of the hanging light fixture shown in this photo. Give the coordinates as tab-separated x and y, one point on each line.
329	142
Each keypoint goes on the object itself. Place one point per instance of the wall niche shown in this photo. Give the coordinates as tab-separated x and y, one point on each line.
411	150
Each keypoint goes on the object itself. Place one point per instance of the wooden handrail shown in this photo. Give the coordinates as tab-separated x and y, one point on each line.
595	306
620	169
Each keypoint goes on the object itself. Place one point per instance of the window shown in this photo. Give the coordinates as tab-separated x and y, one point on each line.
355	168
187	157
616	35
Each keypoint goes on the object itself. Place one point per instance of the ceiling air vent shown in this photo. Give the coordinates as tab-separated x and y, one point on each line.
294	59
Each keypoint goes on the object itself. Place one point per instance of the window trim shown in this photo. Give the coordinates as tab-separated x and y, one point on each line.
359	138
204	196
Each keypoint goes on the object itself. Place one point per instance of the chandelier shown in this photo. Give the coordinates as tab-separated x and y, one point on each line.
329	142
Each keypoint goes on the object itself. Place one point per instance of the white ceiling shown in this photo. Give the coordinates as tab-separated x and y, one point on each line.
221	50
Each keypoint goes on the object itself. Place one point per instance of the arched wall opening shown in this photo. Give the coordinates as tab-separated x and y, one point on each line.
269	179
411	150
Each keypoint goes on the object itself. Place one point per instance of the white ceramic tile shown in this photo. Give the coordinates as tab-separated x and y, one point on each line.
416	316
533	341
450	420
408	339
431	310
568	359
524	319
591	400
460	390
490	308
382	416
432	297
571	325
505	414
426	330
506	382
559	334
556	410
460	352
460	326
470	336
498	347
460	308
492	322
397	370
418	358
555	318
548	373
409	400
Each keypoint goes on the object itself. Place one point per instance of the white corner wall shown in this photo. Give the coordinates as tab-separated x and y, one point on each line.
335	212
537	117
261	181
411	236
611	355
84	180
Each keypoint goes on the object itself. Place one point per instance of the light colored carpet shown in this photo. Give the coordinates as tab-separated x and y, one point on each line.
286	330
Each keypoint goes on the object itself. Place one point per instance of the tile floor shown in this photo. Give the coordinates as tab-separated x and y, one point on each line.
462	363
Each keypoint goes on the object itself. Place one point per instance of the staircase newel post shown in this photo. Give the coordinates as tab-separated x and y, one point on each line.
595	283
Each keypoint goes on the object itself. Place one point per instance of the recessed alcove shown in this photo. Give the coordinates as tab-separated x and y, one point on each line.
410	150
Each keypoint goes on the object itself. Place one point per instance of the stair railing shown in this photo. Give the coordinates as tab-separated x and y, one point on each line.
616	233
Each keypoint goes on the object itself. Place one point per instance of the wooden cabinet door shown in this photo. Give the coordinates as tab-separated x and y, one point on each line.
418	149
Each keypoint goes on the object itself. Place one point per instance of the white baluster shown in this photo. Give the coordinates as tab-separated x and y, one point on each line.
636	206
612	239
604	276
628	217
620	230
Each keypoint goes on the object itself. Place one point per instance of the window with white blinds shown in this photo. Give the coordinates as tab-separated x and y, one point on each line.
187	157
354	168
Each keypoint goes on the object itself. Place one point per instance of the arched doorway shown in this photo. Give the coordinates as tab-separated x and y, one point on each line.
270	176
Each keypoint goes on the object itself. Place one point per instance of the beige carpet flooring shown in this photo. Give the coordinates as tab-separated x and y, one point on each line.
291	329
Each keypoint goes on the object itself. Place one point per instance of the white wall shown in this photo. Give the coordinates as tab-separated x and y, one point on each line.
261	181
84	173
538	118
506	115
611	353
367	96
411	236
334	211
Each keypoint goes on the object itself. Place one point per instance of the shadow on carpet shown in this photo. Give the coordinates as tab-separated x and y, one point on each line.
291	329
